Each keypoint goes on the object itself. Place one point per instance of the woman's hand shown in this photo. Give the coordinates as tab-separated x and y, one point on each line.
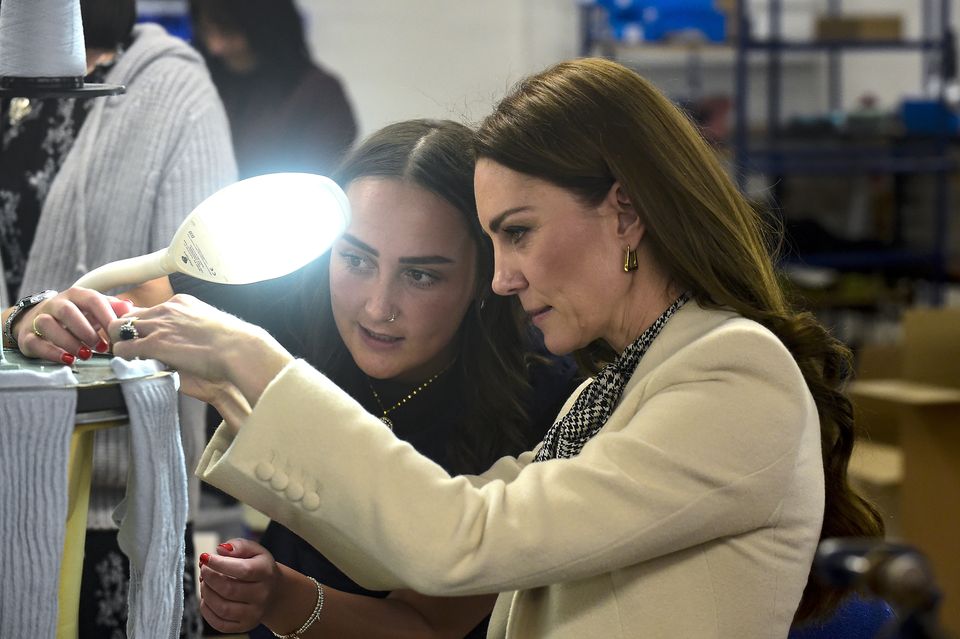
203	344
68	325
238	585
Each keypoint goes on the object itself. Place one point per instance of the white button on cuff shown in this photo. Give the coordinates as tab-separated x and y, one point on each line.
295	491
264	471
280	480
311	501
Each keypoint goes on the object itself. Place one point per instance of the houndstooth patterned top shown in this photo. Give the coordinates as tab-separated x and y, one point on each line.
593	407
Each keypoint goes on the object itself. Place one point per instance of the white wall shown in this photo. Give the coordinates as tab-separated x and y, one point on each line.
456	58
436	58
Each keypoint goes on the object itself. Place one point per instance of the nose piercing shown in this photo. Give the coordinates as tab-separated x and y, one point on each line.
393	316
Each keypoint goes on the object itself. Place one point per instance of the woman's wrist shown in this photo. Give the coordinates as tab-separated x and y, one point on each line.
255	361
231	404
296	600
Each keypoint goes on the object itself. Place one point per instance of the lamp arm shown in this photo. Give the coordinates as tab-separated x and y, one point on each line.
134	270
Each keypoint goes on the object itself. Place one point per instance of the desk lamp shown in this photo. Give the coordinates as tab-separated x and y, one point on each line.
252	230
256	229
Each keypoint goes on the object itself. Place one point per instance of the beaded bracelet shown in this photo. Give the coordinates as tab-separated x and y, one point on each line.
311	619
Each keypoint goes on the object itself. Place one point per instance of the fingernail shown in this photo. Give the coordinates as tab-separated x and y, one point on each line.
204	558
102	346
67	359
84	353
226	546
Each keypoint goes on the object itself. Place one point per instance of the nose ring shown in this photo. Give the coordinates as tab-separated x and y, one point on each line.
393	316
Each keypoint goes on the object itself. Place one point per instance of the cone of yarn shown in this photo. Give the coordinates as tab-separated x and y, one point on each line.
42	51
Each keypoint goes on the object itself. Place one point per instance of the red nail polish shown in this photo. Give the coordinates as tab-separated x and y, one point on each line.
204	558
226	546
84	353
67	359
102	346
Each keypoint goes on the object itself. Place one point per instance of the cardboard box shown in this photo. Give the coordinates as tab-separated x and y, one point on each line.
877	422
861	27
925	399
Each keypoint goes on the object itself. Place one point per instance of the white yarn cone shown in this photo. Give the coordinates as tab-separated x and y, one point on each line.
41	39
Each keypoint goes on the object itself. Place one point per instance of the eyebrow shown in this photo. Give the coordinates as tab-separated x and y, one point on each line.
496	222
420	260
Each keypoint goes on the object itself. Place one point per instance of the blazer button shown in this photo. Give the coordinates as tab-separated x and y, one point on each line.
311	501
279	481
295	491
264	471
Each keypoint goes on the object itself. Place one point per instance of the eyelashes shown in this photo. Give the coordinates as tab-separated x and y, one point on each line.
363	266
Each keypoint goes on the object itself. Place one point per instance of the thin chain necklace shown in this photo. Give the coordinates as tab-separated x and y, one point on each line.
386	411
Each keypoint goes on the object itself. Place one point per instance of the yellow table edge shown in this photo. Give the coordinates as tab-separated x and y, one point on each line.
79	470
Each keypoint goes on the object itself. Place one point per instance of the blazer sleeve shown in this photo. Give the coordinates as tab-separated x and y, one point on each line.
708	451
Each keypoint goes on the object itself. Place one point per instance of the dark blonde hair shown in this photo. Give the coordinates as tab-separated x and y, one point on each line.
586	124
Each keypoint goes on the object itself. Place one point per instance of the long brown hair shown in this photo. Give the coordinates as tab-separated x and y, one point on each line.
437	155
585	124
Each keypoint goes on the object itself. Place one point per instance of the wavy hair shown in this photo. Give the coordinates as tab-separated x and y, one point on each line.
585	124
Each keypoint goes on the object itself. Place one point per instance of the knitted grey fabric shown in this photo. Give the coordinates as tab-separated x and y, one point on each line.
141	162
153	514
35	430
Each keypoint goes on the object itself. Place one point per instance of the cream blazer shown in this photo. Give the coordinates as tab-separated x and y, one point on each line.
694	513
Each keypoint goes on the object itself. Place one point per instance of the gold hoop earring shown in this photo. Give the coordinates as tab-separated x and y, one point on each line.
629	260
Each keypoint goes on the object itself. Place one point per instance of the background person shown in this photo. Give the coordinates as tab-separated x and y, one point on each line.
286	113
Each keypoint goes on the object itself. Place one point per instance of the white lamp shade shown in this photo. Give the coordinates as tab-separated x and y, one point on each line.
256	229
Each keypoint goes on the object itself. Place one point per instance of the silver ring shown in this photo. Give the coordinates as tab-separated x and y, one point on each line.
393	317
128	330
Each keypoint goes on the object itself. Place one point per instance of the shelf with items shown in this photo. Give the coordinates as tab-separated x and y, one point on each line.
679	45
780	154
831	45
851	155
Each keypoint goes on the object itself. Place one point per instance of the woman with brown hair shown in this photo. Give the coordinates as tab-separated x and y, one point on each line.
683	490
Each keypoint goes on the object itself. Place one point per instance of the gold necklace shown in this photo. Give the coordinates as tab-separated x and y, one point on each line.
386	411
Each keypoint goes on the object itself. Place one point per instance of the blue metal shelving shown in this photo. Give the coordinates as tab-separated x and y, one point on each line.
778	156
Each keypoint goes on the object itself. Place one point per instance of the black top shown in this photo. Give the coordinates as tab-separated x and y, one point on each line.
428	421
285	121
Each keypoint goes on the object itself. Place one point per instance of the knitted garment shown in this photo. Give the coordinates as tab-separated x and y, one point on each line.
36	424
141	162
593	407
153	514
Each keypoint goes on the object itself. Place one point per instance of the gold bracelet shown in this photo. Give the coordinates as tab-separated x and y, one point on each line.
311	619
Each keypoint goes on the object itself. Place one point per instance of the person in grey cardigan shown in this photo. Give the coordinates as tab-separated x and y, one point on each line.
140	162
